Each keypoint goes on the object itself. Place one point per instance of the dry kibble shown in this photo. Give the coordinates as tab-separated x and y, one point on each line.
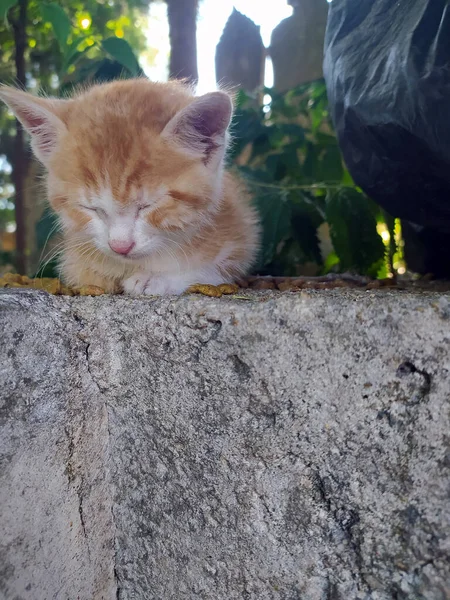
48	284
12	278
8	281
228	288
205	289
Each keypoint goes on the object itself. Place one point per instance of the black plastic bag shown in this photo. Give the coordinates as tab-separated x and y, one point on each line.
387	68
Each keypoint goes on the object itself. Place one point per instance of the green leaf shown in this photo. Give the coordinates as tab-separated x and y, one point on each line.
284	165
242	99
279	108
121	51
261	144
91	71
288	262
330	167
275	214
246	126
252	175
310	162
325	139
56	16
294	131
315	89
5	5
353	232
275	168
275	137
306	219
290	157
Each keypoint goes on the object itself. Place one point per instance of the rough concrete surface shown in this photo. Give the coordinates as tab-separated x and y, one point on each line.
283	447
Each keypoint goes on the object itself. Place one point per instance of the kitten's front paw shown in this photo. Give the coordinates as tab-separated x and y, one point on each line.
153	285
135	284
164	286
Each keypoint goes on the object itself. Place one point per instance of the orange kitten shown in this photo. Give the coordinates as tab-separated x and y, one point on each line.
136	177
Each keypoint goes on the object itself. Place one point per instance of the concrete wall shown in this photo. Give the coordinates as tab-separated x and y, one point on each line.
281	447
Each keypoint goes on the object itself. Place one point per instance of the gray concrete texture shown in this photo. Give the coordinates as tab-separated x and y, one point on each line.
280	447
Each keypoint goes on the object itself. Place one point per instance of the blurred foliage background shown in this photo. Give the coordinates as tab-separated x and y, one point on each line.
315	220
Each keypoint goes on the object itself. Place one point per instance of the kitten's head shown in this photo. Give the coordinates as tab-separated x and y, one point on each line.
130	164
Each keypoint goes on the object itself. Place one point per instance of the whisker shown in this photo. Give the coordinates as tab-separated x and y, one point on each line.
43	267
182	250
52	230
173	256
59	249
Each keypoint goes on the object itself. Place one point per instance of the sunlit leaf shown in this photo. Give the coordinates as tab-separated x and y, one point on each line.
331	261
56	16
121	51
85	21
347	179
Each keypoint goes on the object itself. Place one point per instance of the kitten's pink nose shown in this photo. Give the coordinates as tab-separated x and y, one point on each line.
121	247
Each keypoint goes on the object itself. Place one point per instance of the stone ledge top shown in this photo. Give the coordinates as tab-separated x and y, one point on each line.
243	297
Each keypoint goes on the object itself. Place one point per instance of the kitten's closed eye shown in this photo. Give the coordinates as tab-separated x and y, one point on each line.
99	211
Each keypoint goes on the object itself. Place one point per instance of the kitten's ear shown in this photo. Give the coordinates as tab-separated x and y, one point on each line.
201	127
39	118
